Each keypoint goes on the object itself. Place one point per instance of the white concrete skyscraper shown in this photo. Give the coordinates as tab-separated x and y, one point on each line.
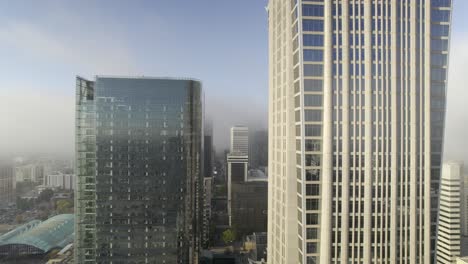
356	123
449	227
240	140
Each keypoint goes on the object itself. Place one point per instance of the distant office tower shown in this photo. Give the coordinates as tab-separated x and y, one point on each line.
356	123
138	166
449	227
208	150
30	173
258	150
207	183
237	171
240	140
7	185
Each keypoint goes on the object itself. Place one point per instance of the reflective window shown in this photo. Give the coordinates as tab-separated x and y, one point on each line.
311	247
312	232
313	145
313	159
313	175
438	74
439	30
310	40
312	115
313	70
313	130
313	85
312	100
312	25
440	15
438	59
440	3
313	55
312	219
312	204
312	10
439	44
312	189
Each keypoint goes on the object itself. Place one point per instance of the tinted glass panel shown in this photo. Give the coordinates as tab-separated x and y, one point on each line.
312	25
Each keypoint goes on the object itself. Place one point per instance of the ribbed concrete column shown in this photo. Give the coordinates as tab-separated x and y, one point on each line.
413	135
427	132
327	177
346	136
394	136
368	131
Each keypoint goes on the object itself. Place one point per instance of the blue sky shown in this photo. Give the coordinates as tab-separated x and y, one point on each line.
44	44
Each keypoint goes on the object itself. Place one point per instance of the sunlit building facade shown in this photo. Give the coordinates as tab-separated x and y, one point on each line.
240	140
356	124
139	166
449	224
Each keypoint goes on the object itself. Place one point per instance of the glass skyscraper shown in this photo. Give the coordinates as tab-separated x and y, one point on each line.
138	165
356	123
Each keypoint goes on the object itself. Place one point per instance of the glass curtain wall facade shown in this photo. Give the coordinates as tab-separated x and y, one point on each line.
356	121
139	170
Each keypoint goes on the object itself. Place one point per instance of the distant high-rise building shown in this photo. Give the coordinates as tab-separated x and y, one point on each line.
356	123
7	185
30	173
237	171
258	151
138	165
240	140
208	150
208	161
449	227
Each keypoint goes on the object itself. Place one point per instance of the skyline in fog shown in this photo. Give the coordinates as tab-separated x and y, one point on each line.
44	44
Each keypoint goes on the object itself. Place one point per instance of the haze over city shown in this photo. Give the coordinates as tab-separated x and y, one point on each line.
46	44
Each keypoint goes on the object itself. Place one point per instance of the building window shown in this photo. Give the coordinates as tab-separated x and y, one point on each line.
312	40
313	55
312	100
312	189
312	25
312	10
313	70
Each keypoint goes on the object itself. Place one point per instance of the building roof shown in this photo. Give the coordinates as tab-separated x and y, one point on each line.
55	232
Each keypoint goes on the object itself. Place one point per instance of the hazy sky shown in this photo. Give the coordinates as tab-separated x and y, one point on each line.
45	44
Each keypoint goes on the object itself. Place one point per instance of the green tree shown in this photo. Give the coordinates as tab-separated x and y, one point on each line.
228	236
64	206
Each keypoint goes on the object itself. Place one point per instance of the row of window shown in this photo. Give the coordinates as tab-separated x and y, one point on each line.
312	10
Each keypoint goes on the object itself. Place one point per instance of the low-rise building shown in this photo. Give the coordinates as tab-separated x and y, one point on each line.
38	238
